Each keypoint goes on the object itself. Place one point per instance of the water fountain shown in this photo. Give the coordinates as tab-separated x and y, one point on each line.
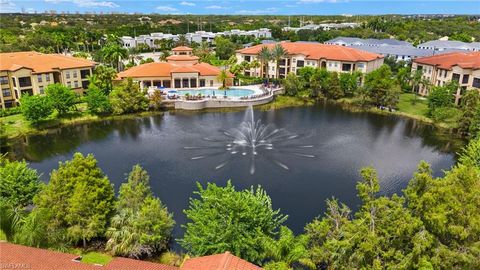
252	138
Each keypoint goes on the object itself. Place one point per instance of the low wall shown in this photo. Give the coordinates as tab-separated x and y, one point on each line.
220	103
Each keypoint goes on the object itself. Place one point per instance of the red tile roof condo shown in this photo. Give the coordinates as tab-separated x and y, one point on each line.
317	51
41	63
468	60
14	256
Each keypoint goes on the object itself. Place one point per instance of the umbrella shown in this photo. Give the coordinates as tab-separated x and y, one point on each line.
225	93
214	92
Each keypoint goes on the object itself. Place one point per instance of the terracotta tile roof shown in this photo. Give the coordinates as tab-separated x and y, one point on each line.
22	257
182	48
182	58
163	69
224	261
317	51
40	63
470	60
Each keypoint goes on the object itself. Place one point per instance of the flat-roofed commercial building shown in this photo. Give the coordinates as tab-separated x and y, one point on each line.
462	67
303	54
31	72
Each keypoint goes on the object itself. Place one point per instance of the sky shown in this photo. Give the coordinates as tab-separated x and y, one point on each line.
247	7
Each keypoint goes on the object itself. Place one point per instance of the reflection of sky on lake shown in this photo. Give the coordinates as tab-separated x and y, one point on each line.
343	143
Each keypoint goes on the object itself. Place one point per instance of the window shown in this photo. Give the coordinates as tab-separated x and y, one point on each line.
74	74
456	77
24	81
4	80
476	82
47	77
39	77
41	90
6	92
247	58
76	84
69	84
300	63
67	74
329	64
465	78
346	67
84	73
360	65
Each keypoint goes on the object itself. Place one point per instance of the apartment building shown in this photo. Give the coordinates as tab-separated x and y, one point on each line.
450	45
197	36
304	54
182	70
323	26
462	67
371	42
31	72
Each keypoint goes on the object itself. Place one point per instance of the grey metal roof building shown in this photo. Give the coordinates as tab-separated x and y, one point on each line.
353	41
400	52
441	45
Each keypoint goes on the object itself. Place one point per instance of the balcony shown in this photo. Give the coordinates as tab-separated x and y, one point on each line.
24	82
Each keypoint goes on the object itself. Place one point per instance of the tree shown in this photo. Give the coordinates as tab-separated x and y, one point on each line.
278	52
128	98
470	108
223	76
18	183
382	87
333	88
288	250
62	97
224	48
223	219
142	225
155	100
349	82
97	101
36	108
78	199
103	77
114	54
265	56
292	84
442	97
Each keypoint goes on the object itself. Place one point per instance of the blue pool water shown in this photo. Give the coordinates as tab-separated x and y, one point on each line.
237	92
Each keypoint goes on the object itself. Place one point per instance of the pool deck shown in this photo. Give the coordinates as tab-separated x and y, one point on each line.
261	96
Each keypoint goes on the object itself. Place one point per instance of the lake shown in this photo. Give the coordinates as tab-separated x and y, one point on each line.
319	156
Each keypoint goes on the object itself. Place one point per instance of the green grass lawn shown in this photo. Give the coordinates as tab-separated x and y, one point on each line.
96	258
411	105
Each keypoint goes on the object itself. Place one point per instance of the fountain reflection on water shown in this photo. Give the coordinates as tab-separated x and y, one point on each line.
250	139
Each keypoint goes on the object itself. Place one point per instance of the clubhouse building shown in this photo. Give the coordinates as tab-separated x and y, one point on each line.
307	54
462	67
182	70
31	72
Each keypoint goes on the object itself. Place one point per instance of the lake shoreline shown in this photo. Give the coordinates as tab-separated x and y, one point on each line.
279	102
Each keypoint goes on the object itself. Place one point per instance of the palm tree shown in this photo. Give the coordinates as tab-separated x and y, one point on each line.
416	79
265	56
223	76
113	53
254	64
288	250
278	52
164	56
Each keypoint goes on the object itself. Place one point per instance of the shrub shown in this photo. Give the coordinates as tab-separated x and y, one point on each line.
62	97
97	101
10	111
128	98
36	108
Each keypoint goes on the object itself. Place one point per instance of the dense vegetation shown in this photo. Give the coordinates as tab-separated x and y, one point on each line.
434	224
55	32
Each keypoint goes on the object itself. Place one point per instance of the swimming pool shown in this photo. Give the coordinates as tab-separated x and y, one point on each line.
236	92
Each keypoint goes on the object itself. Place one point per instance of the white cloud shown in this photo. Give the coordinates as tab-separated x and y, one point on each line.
185	3
257	11
166	9
214	7
7	6
86	3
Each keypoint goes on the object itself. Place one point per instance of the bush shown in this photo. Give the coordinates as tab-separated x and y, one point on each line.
446	114
36	108
10	111
97	101
128	98
62	97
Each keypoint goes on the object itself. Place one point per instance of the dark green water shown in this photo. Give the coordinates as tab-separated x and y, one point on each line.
343	142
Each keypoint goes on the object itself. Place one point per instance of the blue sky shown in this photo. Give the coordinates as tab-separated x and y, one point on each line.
281	7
